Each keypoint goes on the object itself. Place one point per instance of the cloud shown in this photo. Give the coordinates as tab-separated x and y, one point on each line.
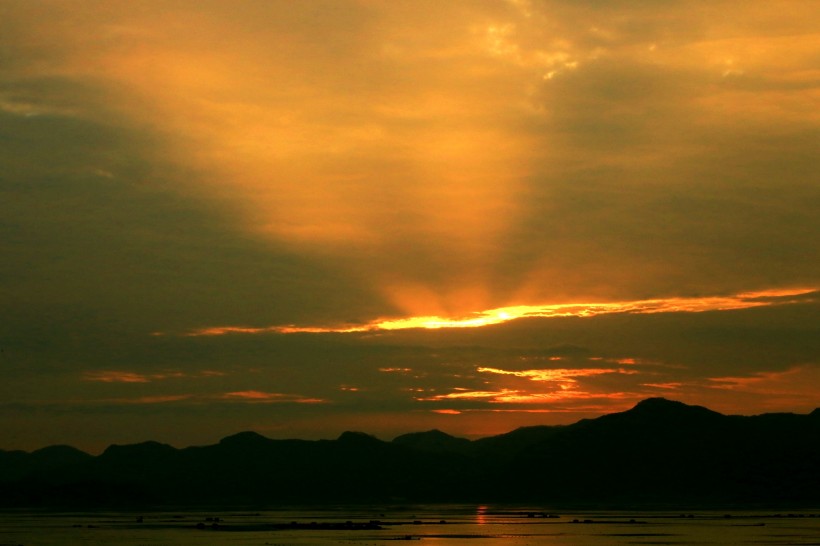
618	185
556	375
538	389
119	376
160	399
497	316
500	146
796	383
270	397
116	377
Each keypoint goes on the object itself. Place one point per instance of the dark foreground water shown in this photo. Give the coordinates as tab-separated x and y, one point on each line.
434	525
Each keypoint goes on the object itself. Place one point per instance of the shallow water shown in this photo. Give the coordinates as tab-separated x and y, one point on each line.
439	525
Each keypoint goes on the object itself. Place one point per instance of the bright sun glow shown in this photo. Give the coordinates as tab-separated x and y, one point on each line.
743	300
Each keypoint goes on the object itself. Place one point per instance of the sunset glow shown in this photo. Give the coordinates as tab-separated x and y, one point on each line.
311	217
505	314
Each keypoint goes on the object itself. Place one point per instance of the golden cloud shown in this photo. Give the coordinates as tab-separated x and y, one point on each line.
745	300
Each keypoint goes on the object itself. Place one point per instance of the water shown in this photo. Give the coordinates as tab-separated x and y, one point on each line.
433	525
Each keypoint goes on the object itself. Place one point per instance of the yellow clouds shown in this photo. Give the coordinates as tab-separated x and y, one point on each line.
537	389
462	156
556	375
319	130
505	314
339	129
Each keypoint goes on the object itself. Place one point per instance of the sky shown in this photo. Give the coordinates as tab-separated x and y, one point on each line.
302	218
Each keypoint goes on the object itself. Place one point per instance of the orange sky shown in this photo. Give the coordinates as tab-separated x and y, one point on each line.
635	182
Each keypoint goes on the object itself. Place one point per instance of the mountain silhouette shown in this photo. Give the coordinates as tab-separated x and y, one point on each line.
661	408
17	464
245	440
660	453
434	441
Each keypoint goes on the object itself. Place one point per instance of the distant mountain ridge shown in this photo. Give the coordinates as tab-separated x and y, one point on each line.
659	453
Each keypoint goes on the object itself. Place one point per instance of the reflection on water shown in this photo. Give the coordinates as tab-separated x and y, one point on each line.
481	515
441	525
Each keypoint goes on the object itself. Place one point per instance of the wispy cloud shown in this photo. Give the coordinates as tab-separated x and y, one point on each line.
744	300
797	382
145	400
110	376
121	376
540	387
557	375
270	397
248	397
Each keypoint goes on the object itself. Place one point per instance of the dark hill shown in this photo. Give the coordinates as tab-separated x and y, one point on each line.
59	456
659	453
434	441
243	440
144	450
666	410
16	465
509	445
351	438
